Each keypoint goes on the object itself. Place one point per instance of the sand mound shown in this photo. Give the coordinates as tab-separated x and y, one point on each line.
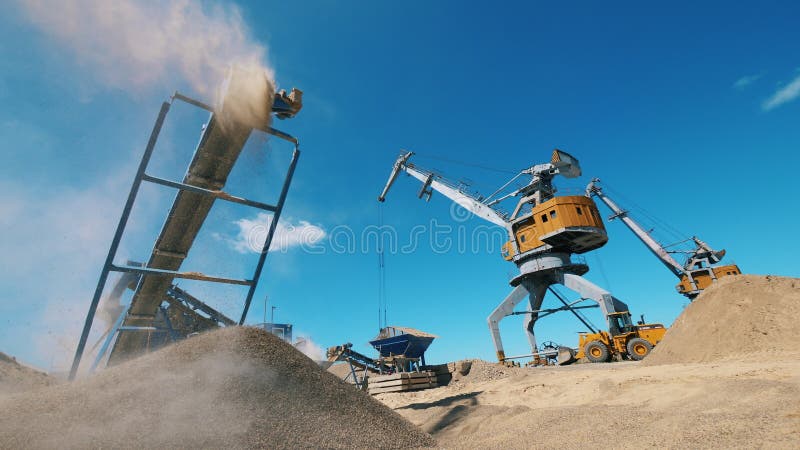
726	405
745	316
237	387
15	378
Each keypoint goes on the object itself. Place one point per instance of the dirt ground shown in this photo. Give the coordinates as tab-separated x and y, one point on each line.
726	375
731	404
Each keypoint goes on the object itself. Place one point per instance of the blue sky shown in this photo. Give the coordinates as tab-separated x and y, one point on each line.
688	110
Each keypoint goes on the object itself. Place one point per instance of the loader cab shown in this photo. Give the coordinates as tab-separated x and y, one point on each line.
620	323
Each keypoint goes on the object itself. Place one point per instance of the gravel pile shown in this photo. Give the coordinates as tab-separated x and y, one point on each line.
743	316
236	387
16	378
481	371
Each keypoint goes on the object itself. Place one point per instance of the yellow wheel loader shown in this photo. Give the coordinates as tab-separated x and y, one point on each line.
624	340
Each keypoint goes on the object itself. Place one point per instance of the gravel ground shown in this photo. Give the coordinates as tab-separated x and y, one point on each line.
233	388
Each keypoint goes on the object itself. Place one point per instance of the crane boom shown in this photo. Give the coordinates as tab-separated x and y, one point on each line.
657	249
431	181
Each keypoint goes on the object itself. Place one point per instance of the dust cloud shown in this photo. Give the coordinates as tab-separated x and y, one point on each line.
135	45
310	348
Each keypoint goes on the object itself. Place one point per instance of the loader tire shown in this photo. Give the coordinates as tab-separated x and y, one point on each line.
638	348
596	352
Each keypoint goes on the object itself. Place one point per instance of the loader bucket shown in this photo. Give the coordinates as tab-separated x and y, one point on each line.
566	356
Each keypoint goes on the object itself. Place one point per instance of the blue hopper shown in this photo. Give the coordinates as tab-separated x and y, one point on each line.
402	341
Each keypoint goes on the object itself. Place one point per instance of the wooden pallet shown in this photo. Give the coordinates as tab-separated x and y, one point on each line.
402	382
443	372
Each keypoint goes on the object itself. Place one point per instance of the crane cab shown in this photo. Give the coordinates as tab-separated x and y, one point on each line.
568	223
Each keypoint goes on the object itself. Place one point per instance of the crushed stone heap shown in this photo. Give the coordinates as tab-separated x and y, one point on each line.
15	377
236	387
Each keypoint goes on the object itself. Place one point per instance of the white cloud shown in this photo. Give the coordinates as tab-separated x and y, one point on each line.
783	95
745	81
288	234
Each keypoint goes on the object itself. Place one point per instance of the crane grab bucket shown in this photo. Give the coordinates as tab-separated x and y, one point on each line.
566	164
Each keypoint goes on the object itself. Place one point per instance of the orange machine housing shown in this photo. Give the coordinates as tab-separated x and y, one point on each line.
570	223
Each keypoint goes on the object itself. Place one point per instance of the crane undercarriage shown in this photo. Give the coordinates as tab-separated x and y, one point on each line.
558	269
